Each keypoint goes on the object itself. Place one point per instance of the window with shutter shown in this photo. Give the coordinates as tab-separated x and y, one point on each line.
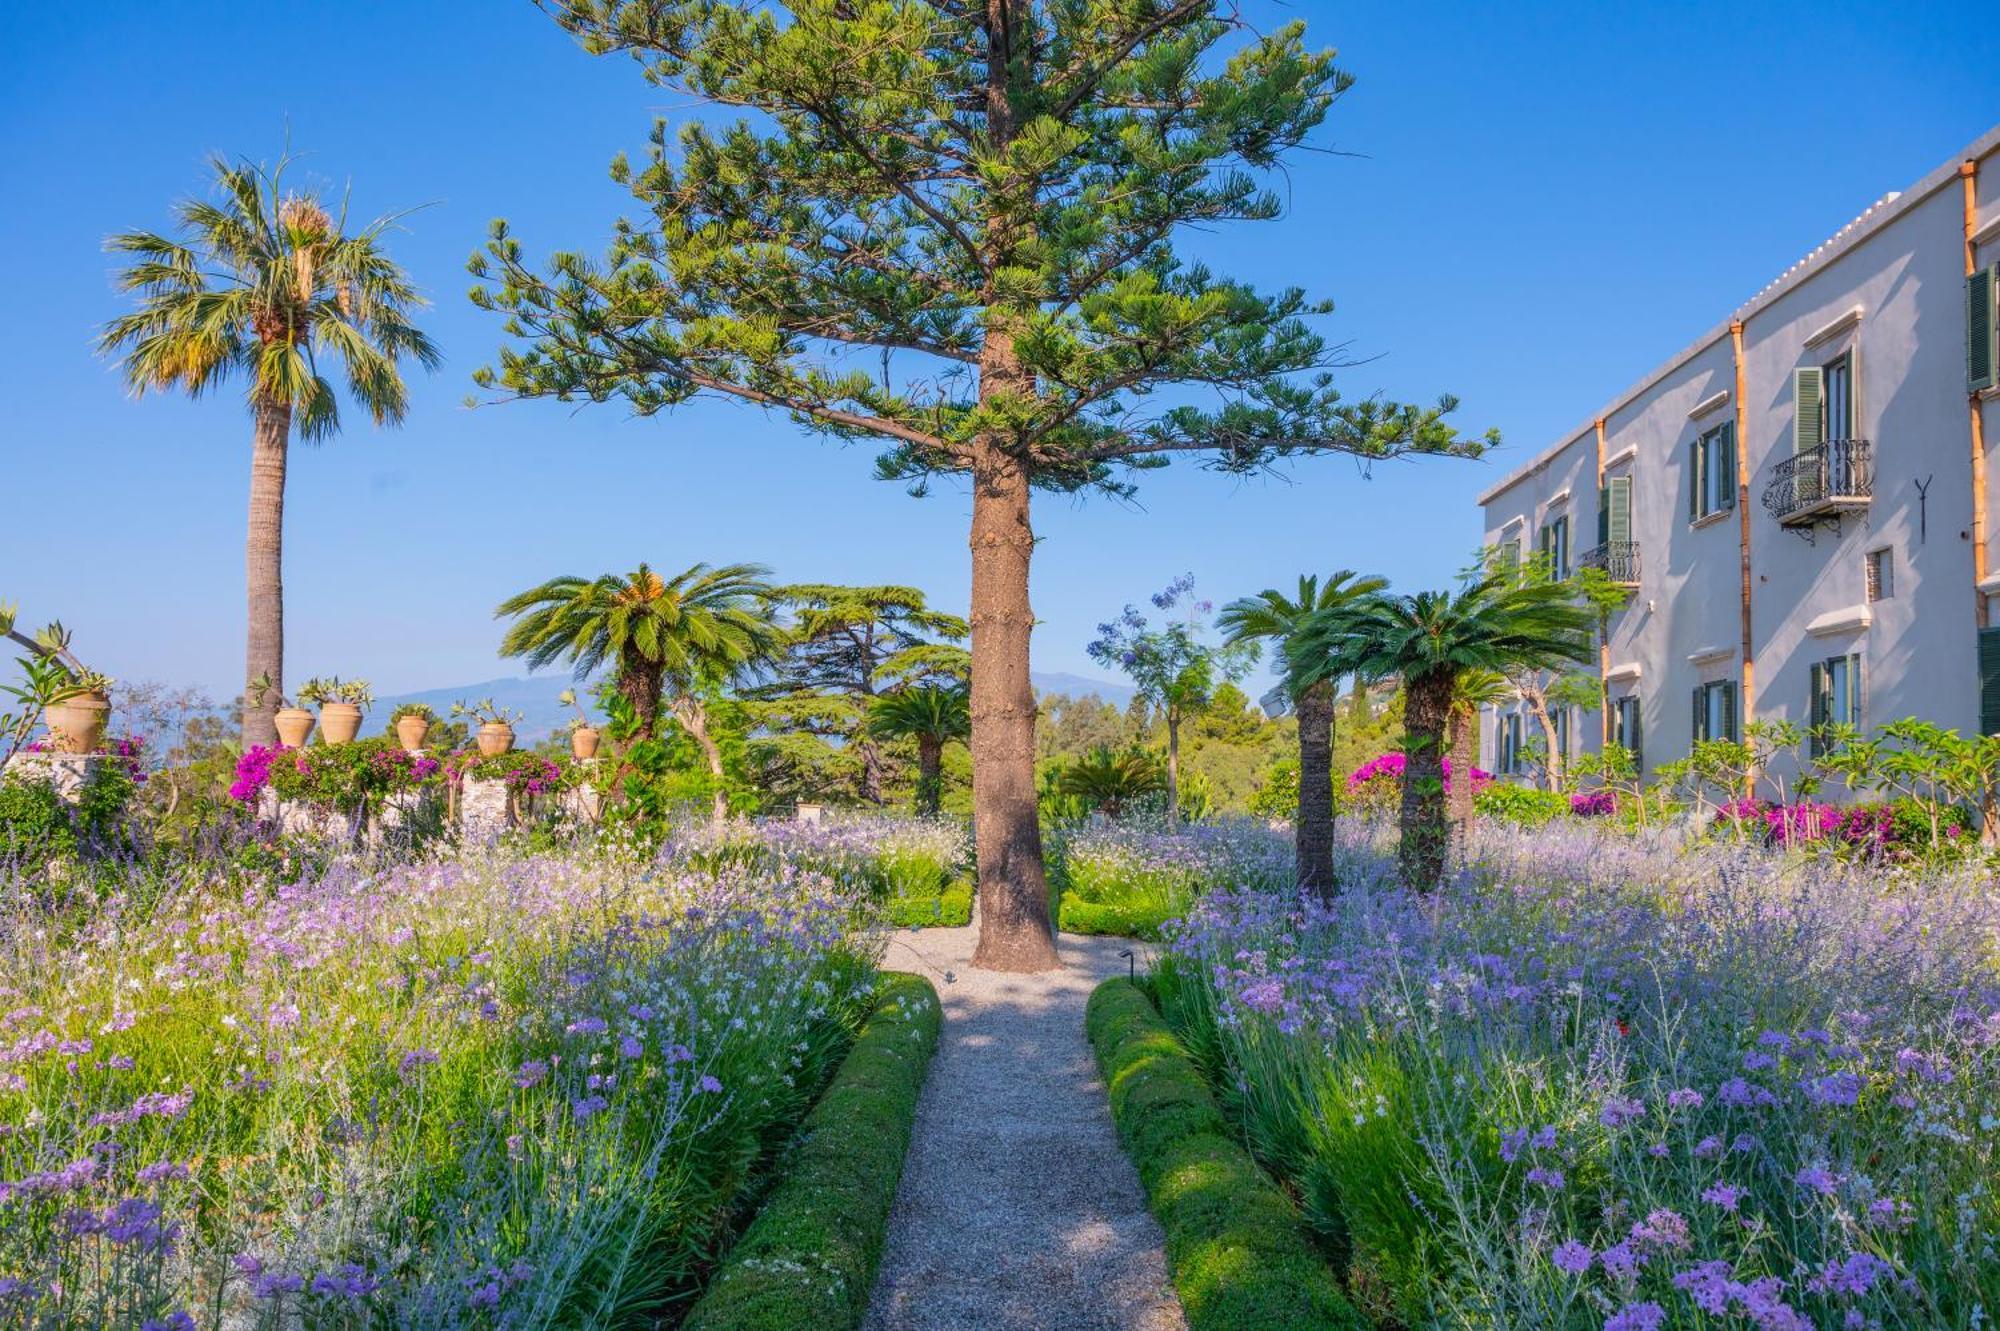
1816	708
1836	379
1989	681
1808	416
1982	329
1728	694
1618	509
1725	451
1694	479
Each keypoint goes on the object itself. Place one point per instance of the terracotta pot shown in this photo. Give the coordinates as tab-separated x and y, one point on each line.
76	725
294	724
583	743
339	722
410	731
495	737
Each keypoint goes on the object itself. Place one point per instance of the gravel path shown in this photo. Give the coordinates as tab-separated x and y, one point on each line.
1017	1210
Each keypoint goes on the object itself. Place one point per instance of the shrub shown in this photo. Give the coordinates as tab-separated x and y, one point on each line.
1240	1260
1128	879
809	1258
34	821
1522	806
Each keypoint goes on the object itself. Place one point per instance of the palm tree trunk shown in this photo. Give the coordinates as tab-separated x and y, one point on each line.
871	769
1313	836
930	774
1173	769
1014	928
1464	730
1426	710
263	564
694	719
641	688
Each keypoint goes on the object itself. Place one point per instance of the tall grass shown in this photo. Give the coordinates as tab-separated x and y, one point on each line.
1602	1083
491	1090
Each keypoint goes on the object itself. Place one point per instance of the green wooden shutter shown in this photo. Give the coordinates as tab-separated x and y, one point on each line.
1855	710
1603	514
1982	339
1989	681
1725	462
1635	727
1729	710
1816	703
1700	711
1617	509
1808	401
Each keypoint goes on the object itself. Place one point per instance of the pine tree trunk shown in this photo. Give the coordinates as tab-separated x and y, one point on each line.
1426	709
930	774
1173	769
1312	835
1464	738
1014	929
694	719
263	560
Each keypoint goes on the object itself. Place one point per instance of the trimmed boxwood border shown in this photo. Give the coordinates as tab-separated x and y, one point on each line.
950	908
808	1260
1122	919
1239	1254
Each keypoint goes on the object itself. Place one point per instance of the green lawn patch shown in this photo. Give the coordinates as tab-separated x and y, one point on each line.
808	1260
1141	918
1240	1257
950	907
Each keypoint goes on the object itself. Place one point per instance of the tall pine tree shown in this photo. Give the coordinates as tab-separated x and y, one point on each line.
991	189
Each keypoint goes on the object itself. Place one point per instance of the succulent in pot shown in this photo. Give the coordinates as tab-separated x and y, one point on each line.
496	724
412	721
340	704
293	723
78	712
583	736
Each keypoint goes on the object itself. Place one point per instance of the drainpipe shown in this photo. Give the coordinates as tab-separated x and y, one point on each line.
1968	172
1603	635
1746	708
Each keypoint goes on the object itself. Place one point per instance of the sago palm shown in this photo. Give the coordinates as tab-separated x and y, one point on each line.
933	716
1109	779
1430	640
669	638
1475	689
263	283
1312	686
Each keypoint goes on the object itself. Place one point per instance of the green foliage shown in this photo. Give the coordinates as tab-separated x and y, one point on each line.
1240	1258
1109	782
1523	806
349	778
1278	797
809	1258
34	821
317	692
422	711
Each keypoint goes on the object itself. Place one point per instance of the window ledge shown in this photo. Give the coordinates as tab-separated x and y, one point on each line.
1621	457
1708	404
1835	327
1625	673
1559	498
1710	519
1710	655
1989	232
1847	619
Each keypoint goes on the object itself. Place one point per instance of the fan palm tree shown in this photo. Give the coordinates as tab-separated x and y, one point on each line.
933	716
1430	640
264	282
1475	689
1107	779
1312	686
665	638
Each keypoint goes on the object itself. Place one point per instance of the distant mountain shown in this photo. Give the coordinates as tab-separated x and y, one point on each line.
1076	686
542	715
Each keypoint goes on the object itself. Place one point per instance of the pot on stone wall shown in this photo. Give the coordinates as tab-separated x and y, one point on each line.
339	722
495	737
294	724
76	724
410	731
583	743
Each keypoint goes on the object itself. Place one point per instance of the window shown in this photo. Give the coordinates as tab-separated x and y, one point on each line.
1836	697
1881	574
1837	397
1507	555
1715	710
1712	472
1554	547
1559	719
1507	743
1982	329
1625	728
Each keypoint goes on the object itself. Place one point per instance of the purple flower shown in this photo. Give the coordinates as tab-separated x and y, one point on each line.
1817	1179
1662	1231
1571	1257
709	1084
1647	1316
531	1073
1620	1110
1725	1195
630	1047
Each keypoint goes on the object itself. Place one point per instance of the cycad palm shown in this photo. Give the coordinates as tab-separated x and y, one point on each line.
1430	640
266	284
933	716
1312	685
1474	690
662	636
1106	779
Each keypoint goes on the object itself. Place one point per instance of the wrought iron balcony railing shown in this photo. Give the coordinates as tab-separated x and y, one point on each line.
1835	477
1618	559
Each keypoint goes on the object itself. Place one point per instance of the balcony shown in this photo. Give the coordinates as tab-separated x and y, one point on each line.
1821	483
1619	561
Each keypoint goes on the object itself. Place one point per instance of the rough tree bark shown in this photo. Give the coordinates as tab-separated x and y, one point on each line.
930	774
694	719
1173	769
1014	929
1313	835
1420	857
263	561
1464	741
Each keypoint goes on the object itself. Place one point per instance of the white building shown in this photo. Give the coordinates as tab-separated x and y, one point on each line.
1800	501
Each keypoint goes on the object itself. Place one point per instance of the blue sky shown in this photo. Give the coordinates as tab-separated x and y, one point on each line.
1526	206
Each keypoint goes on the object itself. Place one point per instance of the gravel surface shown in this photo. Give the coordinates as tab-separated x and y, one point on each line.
1017	1210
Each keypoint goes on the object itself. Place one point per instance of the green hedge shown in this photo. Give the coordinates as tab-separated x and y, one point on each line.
951	907
1239	1255
1126	919
808	1260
